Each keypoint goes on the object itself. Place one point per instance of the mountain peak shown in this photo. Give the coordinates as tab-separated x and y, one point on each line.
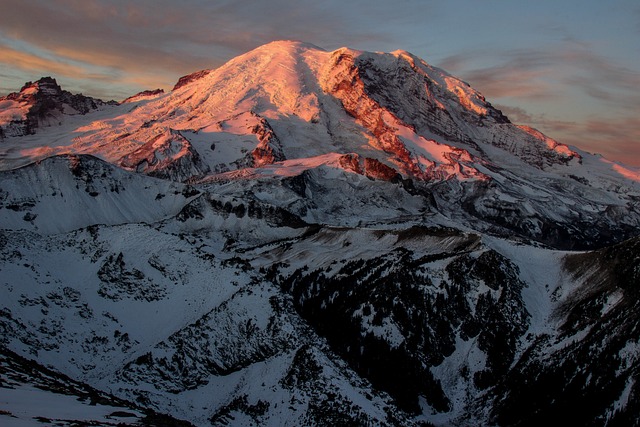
390	107
41	104
45	86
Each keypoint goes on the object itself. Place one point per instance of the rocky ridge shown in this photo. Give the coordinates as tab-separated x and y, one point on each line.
40	104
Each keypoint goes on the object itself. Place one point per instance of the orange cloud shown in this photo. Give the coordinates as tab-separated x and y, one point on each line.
33	63
518	74
87	76
615	138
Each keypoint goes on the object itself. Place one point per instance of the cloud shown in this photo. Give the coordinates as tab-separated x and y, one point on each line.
601	78
73	74
154	42
512	82
110	34
590	101
518	73
620	138
516	114
177	36
30	62
536	74
616	138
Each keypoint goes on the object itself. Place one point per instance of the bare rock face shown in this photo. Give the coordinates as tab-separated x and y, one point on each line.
347	86
184	80
143	95
168	155
378	170
269	149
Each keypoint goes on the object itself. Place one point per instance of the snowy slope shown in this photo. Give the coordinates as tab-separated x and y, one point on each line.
32	395
65	193
164	318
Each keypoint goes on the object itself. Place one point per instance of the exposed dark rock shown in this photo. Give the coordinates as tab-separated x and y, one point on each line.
589	373
144	94
388	291
184	80
377	170
168	155
269	149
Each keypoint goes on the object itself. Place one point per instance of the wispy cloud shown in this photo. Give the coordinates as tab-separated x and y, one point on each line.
30	62
160	40
616	138
601	78
538	74
88	76
515	73
170	34
592	101
105	34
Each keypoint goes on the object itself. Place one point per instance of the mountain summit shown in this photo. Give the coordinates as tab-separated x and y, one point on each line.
306	237
393	108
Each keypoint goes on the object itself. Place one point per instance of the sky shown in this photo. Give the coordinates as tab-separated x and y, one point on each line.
568	68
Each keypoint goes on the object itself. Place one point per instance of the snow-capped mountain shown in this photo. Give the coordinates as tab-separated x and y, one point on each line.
308	237
287	110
